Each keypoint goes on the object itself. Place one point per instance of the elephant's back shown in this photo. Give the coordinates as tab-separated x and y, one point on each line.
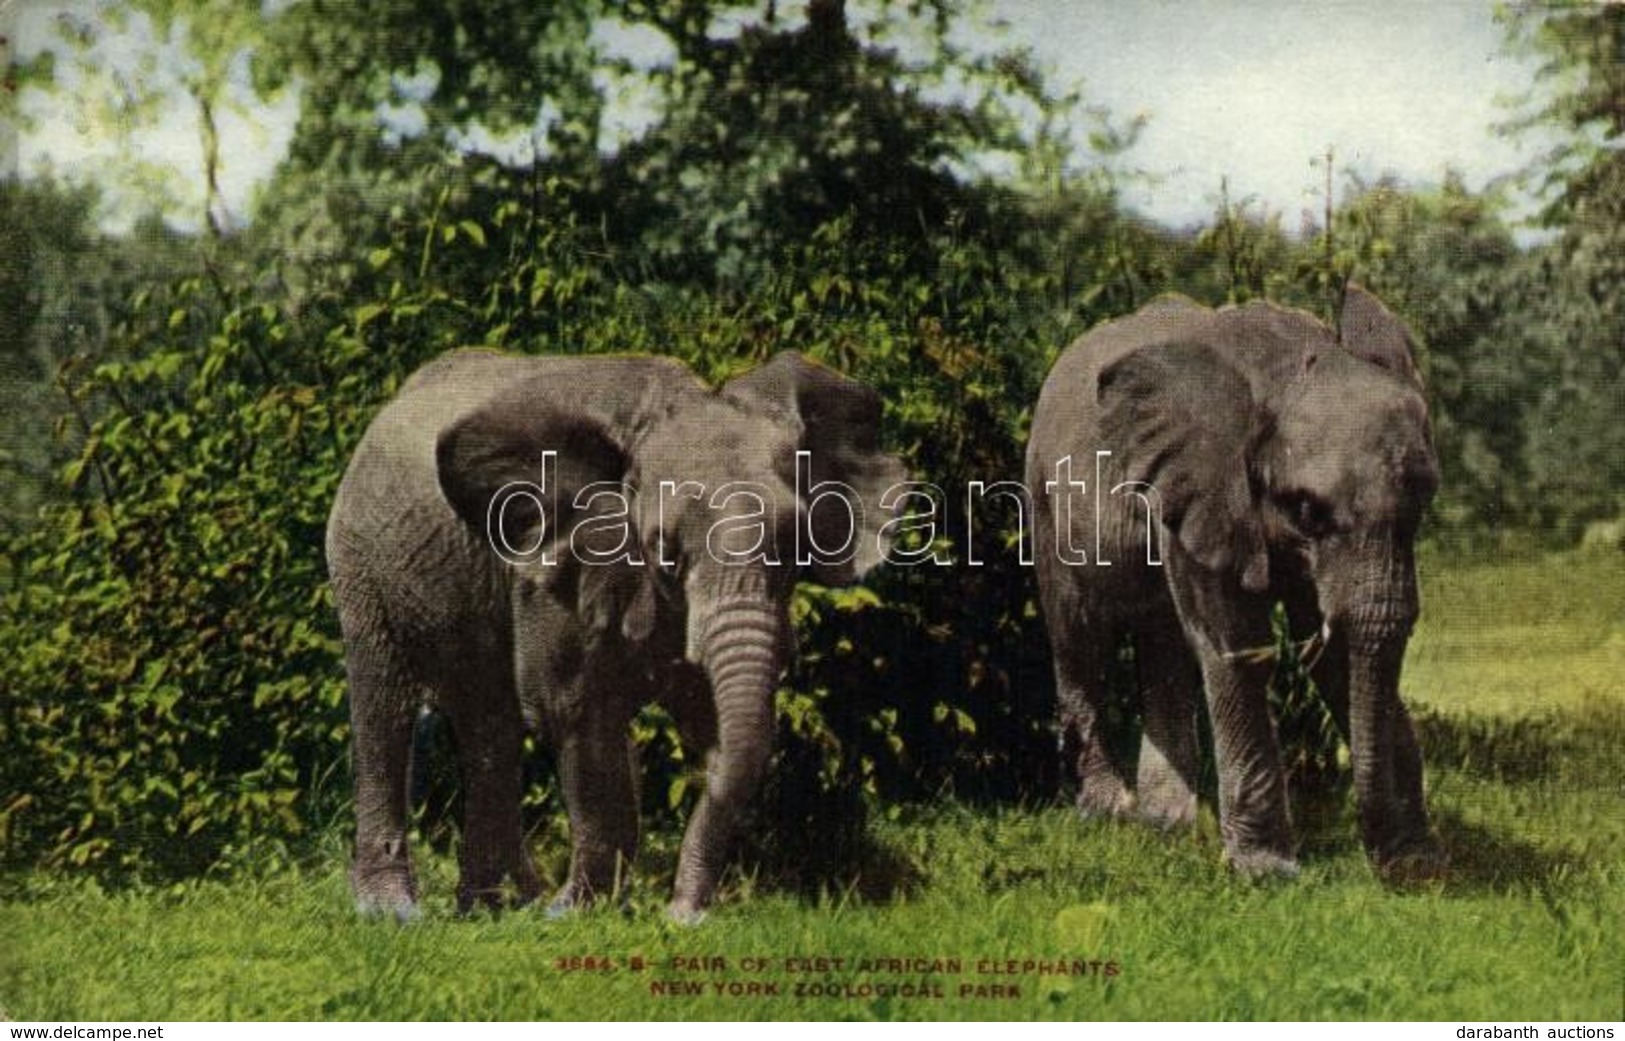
614	387
577	381
390	498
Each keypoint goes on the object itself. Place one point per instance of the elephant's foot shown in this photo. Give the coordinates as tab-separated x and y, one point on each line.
1415	865
496	874
398	906
573	897
562	906
471	895
1167	809
578	895
1162	797
1104	796
1261	864
387	889
685	912
598	872
488	890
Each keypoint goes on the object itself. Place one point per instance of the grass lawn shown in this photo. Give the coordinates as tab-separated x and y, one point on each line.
1514	676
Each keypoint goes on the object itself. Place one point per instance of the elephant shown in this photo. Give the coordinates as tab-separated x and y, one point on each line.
1241	458
550	543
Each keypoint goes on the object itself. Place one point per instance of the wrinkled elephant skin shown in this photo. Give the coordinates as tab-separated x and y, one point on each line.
1258	457
551	543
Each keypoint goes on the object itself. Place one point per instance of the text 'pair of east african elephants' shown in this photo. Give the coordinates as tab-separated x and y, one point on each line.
550	543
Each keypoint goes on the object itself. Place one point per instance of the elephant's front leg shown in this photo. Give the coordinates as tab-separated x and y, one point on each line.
1254	817
596	774
1228	627
489	742
1417	856
381	876
1388	767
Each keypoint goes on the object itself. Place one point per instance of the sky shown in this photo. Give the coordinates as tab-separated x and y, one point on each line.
1252	92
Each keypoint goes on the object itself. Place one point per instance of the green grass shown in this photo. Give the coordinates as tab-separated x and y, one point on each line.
1520	638
1513	676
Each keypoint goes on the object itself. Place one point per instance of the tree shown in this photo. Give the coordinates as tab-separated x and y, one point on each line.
783	125
64	292
52	302
1580	95
120	69
1565	319
176	693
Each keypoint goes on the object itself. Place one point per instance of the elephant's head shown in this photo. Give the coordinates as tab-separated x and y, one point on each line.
1296	463
1346	471
683	515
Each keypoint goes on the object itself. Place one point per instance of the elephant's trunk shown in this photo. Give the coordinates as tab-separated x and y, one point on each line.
740	638
1387	760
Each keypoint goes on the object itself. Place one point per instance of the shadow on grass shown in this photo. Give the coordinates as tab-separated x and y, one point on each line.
1481	858
1488	859
1577	748
1581	745
827	849
880	874
1323	817
1490	747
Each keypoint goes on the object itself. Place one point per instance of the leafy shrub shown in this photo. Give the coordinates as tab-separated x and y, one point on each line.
176	694
173	690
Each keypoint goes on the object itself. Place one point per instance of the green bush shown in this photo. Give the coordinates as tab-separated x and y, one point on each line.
173	687
175	700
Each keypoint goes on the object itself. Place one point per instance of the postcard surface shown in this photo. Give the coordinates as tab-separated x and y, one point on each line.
812	510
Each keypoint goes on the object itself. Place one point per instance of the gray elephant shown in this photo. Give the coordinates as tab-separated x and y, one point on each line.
1255	457
552	543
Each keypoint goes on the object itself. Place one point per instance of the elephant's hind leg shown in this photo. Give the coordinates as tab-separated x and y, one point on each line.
1170	749
383	705
489	734
1081	689
596	763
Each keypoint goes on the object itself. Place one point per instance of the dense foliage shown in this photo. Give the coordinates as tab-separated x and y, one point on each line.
173	691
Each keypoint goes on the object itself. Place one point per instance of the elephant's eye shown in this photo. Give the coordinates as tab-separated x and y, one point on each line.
1310	514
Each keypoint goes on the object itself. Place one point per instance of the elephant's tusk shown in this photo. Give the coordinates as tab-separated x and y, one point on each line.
1308	651
1251	655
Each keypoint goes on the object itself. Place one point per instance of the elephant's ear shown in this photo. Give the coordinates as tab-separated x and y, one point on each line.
502	445
840	424
1368	330
1182	419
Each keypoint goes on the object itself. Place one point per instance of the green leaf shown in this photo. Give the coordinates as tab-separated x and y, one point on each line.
366	313
166	365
